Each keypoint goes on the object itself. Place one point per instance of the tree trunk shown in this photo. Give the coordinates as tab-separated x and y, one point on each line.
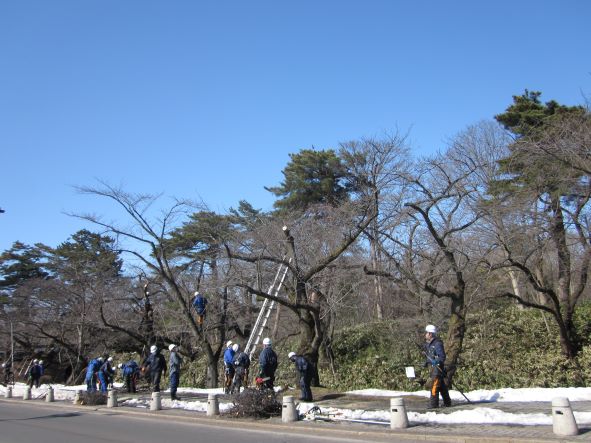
211	379
455	336
377	283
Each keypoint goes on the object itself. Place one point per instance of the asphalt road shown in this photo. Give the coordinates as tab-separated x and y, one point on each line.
21	423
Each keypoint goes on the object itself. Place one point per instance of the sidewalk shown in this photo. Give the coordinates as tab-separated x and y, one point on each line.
361	431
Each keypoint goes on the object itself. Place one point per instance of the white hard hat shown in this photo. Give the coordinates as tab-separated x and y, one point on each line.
229	344
3	365
291	354
35	361
110	359
432	329
235	347
40	362
266	341
120	365
153	348
100	358
196	293
171	346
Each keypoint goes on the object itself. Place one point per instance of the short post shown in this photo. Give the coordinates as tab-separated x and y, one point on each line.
288	412
213	406
77	397
27	393
112	399
49	397
8	393
156	403
563	419
398	417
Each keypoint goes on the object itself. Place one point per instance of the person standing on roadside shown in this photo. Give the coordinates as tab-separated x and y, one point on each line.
305	371
267	364
34	374
241	365
228	367
156	364
174	364
435	354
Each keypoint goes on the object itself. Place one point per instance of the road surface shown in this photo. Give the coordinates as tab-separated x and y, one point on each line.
22	423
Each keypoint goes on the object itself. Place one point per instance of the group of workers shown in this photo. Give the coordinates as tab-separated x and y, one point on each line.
100	370
99	374
237	363
34	372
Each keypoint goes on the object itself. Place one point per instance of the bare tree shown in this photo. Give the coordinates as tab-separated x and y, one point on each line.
375	166
307	247
146	241
431	243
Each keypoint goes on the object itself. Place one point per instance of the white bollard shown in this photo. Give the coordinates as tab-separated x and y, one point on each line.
156	403
563	419
49	397
398	417
112	399
213	406
289	413
8	393
27	393
77	397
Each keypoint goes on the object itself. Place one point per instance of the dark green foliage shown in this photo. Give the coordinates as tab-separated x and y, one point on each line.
374	355
532	162
519	348
21	263
200	237
508	348
87	256
528	117
312	177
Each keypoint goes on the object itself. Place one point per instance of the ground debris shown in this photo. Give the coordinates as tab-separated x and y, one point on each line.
92	398
255	403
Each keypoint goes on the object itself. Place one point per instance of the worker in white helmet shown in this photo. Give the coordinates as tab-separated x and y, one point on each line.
435	354
267	365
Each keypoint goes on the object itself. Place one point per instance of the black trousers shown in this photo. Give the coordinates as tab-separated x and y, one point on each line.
439	387
155	376
305	381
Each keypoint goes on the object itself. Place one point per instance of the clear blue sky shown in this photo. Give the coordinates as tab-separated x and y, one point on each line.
207	99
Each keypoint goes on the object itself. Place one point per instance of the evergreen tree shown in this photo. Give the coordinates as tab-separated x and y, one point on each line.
312	177
546	200
87	254
21	263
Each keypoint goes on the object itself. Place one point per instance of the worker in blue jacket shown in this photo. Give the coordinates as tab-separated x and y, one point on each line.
305	371
105	374
130	372
435	358
91	374
267	364
200	305
228	367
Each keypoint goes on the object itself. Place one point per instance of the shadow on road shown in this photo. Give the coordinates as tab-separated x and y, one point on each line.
66	415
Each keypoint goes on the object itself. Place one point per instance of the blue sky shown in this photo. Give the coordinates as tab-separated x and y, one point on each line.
207	99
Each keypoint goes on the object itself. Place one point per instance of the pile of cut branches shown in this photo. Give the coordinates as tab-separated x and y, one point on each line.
93	398
255	403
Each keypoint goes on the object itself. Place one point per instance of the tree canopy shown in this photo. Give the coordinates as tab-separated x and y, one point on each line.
312	177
